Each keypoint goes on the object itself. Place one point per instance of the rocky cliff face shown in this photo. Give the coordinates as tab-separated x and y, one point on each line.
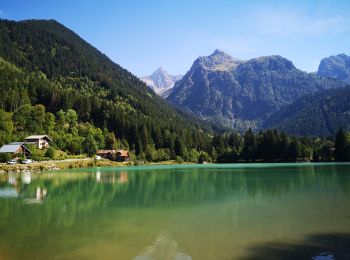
337	67
221	88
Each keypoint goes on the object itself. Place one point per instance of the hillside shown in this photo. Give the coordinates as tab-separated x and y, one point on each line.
43	62
321	114
243	93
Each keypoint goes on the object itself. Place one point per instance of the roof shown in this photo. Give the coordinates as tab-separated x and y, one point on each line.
17	143
123	152
11	148
106	151
38	137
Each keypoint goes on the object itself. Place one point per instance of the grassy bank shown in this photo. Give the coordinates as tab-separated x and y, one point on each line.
74	164
60	165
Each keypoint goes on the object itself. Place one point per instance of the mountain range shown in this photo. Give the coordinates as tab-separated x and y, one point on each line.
43	62
161	81
244	93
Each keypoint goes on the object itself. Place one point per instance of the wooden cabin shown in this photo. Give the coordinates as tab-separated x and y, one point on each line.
16	149
122	155
118	155
108	154
40	141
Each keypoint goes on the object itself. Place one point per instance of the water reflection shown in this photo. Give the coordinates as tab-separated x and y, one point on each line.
39	197
200	208
315	246
27	178
163	248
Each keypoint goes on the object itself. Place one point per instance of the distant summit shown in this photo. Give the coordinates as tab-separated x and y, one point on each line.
337	67
161	81
218	61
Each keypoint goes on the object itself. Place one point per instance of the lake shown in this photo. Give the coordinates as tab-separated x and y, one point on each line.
254	211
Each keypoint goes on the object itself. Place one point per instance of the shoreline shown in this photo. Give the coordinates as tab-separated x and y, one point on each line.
56	165
81	163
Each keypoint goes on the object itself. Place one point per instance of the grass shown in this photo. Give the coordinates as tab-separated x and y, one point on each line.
75	164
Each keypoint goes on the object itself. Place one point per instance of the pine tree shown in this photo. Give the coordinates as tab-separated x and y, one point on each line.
249	147
342	146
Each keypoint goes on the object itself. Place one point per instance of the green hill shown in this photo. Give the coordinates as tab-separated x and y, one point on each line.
43	62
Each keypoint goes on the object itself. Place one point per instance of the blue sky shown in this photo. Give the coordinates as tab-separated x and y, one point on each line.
143	35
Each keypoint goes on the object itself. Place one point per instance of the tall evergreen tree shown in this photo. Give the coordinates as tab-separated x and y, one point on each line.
342	146
249	147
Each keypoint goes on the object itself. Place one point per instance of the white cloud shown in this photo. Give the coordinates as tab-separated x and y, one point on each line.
236	45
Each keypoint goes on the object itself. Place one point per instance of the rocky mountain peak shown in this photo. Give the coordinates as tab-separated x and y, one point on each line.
337	67
160	80
218	61
270	63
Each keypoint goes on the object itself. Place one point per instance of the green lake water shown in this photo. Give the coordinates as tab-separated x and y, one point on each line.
256	211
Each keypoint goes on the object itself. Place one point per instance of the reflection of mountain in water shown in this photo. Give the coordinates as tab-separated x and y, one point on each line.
163	248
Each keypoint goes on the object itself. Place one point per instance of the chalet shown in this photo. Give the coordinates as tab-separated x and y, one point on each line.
15	149
118	155
122	155
40	141
108	154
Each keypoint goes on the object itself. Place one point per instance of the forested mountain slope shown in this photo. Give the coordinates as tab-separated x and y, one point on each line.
43	62
321	114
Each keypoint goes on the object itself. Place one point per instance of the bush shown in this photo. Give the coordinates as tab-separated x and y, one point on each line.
203	157
50	153
178	159
4	157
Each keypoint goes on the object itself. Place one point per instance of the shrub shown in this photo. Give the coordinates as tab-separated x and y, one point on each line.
178	159
4	157
50	153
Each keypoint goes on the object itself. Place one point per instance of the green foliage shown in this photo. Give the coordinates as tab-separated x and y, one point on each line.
203	157
50	153
272	146
90	145
178	159
320	114
43	63
6	127
342	146
4	157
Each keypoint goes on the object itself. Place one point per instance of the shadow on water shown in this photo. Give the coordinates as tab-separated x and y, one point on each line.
317	247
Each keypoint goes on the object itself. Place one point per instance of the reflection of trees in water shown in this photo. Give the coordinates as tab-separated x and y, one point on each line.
163	248
76	197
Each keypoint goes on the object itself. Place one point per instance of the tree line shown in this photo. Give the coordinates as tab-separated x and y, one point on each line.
276	146
75	137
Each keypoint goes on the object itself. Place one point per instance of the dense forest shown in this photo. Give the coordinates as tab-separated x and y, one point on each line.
45	63
53	82
75	137
320	114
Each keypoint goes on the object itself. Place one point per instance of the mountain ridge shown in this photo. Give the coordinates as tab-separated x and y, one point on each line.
48	64
337	66
246	93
